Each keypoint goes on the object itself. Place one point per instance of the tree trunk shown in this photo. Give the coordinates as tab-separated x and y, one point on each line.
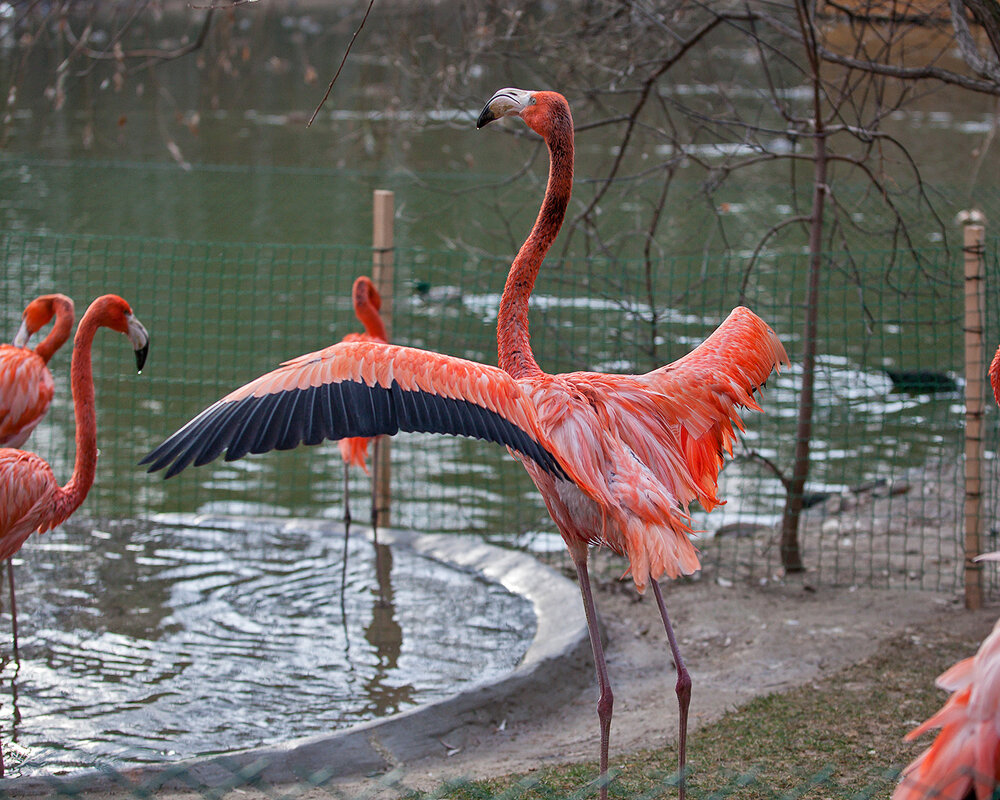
791	556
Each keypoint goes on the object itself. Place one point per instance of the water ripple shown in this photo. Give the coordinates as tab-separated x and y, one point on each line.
192	641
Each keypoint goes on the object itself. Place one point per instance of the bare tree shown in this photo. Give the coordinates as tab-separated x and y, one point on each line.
859	61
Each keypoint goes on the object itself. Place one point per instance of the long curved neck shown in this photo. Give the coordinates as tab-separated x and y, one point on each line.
59	334
513	341
82	382
372	320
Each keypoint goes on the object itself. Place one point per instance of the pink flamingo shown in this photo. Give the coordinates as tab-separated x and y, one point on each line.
30	498
617	458
26	386
354	449
965	756
367	304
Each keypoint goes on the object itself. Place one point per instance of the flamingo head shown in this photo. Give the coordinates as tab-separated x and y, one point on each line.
39	312
364	293
542	111
113	312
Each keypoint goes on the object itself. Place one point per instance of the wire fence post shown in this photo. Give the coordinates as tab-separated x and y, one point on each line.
383	213
973	236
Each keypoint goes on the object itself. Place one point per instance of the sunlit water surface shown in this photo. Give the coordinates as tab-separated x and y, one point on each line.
213	640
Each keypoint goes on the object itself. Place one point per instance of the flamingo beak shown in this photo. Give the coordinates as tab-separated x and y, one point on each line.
22	335
505	103
140	341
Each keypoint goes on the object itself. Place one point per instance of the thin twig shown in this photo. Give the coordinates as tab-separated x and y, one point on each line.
343	61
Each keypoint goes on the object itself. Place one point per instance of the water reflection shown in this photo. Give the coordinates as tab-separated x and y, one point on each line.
385	635
164	640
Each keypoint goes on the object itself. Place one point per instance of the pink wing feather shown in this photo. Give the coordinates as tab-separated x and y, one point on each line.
642	447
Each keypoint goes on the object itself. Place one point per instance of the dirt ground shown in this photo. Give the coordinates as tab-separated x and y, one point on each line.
739	642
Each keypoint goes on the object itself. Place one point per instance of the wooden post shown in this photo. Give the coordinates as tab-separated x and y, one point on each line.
973	231
382	274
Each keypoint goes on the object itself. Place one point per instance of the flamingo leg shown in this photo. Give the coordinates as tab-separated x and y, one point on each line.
13	612
347	536
683	688
605	703
378	551
343	566
347	494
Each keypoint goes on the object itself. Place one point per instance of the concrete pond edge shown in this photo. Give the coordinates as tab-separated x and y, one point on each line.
556	665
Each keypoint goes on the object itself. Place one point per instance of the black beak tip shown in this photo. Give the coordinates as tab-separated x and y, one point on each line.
140	356
485	118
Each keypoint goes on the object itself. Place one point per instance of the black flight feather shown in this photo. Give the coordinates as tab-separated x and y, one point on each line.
285	419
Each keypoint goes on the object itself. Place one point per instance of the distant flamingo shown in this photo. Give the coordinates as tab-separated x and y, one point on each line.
354	449
367	304
617	458
965	756
30	498
26	385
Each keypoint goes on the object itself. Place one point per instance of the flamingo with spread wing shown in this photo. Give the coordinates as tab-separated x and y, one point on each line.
617	458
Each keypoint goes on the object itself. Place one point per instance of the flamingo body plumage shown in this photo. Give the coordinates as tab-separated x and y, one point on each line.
26	384
617	458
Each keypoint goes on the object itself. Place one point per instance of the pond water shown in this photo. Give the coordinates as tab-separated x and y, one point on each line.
160	641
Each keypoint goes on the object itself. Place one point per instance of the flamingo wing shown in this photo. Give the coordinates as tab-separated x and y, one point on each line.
360	388
679	419
26	389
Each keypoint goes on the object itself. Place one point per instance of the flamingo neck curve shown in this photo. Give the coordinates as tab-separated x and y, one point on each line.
513	339
57	337
371	319
72	495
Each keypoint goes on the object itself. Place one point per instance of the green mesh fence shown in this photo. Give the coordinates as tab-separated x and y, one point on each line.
249	783
884	492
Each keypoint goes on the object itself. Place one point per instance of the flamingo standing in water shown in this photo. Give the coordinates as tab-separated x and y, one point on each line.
26	385
30	498
617	458
354	449
367	303
964	757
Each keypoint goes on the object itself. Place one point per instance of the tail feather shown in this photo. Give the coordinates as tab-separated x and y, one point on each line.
657	550
354	451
